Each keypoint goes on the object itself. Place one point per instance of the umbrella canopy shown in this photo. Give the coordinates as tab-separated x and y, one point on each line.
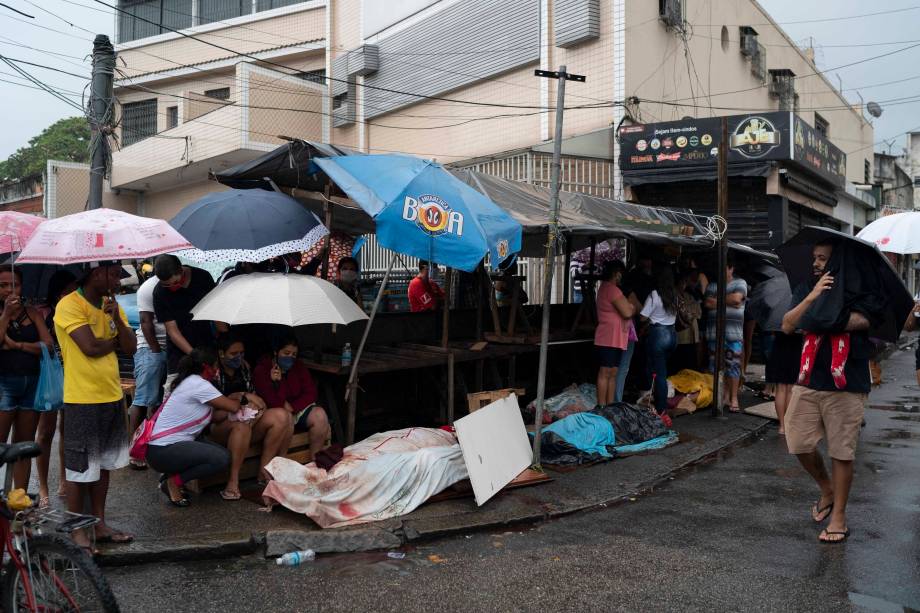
246	225
15	230
100	234
422	210
796	257
899	233
277	298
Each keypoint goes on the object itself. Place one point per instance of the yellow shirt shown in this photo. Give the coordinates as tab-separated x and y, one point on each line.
87	380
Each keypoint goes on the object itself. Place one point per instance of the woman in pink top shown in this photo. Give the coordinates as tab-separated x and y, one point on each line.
614	313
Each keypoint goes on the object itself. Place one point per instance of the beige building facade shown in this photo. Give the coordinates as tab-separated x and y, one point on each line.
451	80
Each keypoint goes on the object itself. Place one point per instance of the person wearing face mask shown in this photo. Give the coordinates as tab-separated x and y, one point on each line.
424	294
179	290
258	423
348	279
283	380
192	403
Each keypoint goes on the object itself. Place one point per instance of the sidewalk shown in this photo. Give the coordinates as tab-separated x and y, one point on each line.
213	528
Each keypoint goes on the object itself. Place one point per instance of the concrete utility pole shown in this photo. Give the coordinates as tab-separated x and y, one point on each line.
100	113
562	76
718	390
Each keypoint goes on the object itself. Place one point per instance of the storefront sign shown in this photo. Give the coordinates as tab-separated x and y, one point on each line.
776	136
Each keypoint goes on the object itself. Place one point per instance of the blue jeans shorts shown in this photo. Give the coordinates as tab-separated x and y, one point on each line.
17	391
149	370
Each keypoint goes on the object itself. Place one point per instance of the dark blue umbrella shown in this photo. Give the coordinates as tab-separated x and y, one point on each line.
246	225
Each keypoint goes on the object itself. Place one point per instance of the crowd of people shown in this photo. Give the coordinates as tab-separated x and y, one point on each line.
659	318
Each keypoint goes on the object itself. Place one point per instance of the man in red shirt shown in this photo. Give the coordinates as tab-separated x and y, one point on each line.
424	294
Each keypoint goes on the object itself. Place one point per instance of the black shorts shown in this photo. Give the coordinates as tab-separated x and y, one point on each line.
609	357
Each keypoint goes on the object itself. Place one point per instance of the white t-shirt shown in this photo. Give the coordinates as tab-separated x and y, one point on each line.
654	311
185	404
145	304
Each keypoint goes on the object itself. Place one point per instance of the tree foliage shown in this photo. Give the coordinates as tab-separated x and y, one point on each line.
67	139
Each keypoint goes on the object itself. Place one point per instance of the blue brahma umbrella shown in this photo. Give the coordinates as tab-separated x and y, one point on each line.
421	210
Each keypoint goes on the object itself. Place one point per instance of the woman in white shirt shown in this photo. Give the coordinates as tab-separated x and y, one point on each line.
174	448
660	309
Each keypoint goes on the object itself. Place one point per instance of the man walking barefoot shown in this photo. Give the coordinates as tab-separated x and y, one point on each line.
825	407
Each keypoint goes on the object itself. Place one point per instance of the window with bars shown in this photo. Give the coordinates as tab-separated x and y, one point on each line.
314	76
221	93
138	121
172	117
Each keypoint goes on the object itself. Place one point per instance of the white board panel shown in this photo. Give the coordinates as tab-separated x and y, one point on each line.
495	446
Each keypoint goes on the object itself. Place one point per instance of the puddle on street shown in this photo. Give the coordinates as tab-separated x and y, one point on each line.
893	434
897	408
874	603
907	417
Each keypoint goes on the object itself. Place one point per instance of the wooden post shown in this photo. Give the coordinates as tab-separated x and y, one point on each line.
445	320
327	209
718	391
450	388
566	282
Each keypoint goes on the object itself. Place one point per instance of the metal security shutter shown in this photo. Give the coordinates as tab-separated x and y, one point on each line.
138	121
801	216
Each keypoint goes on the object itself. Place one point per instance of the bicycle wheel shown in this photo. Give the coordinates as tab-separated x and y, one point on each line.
63	578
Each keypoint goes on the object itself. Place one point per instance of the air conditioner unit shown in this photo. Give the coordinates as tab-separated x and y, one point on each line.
671	12
748	41
782	82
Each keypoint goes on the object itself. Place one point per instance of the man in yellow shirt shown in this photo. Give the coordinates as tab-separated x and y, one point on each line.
90	328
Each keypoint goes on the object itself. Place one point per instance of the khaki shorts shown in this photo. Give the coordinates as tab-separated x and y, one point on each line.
813	415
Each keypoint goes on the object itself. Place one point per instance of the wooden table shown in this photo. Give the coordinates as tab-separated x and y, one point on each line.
401	357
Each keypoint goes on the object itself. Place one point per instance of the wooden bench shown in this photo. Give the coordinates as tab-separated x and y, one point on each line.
299	451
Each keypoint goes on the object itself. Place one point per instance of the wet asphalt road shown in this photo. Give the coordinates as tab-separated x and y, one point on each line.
729	535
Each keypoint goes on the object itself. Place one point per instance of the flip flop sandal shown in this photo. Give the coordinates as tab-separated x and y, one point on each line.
844	536
734	409
181	503
816	513
230	495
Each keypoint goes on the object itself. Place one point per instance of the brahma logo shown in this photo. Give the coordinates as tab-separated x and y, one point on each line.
432	215
502	249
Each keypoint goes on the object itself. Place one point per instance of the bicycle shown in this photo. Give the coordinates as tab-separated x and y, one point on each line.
43	569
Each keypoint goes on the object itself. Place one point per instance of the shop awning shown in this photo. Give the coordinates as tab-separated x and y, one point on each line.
287	166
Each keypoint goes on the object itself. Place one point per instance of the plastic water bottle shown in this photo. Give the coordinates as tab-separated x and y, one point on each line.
296	558
346	355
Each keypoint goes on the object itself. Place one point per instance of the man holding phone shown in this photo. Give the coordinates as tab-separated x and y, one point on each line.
90	328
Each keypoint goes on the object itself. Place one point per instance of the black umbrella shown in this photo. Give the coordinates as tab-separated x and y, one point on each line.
871	265
246	225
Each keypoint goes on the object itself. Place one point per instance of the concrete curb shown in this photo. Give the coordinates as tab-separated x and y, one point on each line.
384	535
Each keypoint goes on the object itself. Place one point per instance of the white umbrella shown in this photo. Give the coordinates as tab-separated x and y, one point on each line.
898	233
277	298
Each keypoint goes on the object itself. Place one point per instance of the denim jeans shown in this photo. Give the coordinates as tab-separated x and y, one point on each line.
623	371
660	342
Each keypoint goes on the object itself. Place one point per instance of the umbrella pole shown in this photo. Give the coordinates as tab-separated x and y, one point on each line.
352	376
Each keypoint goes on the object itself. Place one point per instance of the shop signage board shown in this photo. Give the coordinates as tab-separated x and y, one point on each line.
756	137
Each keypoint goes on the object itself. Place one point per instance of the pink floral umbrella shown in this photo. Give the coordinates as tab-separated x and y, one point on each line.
100	234
15	230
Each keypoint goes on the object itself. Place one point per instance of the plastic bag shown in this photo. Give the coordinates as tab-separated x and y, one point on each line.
50	392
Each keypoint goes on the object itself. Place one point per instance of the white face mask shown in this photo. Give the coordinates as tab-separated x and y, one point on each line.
348	276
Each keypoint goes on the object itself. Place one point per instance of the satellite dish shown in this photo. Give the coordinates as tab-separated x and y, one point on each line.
874	109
